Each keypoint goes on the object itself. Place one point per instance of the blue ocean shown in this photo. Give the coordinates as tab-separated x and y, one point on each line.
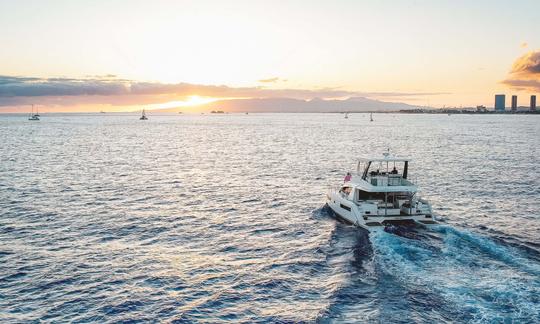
222	218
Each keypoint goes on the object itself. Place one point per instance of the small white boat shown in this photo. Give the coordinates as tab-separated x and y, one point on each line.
346	115
371	117
380	195
32	115
143	116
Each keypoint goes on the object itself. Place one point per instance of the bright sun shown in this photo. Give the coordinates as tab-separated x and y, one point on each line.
189	102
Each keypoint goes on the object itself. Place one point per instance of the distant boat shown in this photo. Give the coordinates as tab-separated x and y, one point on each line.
217	112
346	115
32	115
371	117
102	112
143	116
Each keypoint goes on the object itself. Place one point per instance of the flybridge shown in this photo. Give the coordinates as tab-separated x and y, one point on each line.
387	166
386	158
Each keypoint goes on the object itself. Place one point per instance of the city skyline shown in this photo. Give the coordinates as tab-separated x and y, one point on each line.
118	55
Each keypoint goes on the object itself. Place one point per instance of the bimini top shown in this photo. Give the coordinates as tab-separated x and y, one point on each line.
386	158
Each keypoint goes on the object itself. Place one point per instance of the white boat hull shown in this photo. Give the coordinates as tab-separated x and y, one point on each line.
358	215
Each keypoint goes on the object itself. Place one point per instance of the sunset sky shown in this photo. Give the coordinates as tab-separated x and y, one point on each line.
116	55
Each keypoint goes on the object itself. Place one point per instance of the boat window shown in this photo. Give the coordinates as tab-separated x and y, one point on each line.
363	195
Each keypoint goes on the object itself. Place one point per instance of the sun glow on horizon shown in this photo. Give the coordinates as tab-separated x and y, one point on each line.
191	101
169	54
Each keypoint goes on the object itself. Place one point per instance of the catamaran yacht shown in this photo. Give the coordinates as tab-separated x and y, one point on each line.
380	194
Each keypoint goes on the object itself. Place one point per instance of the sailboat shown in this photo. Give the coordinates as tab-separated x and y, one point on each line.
346	115
371	117
143	116
32	115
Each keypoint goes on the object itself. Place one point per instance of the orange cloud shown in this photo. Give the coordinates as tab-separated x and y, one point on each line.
528	64
525	72
111	90
523	85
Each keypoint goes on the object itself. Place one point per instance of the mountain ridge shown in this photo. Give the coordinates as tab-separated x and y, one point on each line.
274	105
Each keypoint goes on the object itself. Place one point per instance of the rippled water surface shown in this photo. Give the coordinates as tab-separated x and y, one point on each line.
221	218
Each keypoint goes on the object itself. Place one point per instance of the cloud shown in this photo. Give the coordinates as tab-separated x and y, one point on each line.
523	85
109	89
60	87
525	73
527	64
271	80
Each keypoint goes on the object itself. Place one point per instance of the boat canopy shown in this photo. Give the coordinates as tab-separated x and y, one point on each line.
385	159
368	162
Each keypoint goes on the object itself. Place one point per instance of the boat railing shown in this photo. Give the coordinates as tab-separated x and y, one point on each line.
388	180
380	180
336	188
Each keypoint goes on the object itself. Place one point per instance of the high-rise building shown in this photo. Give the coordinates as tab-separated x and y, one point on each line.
500	102
514	103
533	103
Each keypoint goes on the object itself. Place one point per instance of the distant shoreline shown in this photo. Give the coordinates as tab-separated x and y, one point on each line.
469	112
412	111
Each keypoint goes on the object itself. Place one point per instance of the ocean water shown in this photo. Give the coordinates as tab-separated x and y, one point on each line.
217	218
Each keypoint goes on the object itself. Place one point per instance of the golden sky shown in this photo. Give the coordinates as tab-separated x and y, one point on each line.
117	55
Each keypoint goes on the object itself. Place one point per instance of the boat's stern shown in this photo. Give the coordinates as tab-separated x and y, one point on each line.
374	216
